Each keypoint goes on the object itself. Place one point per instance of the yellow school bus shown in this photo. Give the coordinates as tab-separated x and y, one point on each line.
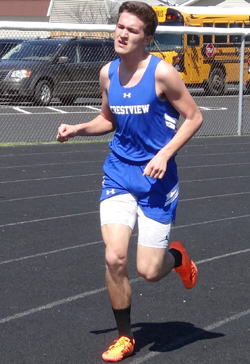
210	61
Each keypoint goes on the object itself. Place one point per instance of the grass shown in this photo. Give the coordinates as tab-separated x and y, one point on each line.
17	144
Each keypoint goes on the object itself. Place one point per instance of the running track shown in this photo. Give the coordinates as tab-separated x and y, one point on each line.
54	305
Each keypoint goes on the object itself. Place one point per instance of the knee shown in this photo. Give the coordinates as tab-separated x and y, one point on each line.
148	272
115	260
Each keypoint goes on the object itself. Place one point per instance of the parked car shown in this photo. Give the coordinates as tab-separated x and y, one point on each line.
6	44
40	69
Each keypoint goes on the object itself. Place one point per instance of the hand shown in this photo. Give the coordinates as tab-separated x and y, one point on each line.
65	132
156	168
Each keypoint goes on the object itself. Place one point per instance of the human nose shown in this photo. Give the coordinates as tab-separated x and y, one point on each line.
124	32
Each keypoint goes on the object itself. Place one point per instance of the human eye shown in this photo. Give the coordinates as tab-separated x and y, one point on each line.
132	30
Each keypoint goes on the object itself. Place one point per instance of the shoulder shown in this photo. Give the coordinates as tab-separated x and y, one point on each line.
105	70
167	77
108	68
165	70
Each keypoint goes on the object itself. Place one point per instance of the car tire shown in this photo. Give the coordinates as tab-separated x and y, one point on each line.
217	82
43	93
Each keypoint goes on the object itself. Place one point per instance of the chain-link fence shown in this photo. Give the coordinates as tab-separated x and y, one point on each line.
51	76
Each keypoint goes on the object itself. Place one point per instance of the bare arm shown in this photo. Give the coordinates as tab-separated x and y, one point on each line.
100	125
170	84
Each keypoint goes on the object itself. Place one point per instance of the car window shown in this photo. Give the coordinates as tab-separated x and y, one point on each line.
90	53
70	51
32	51
6	47
108	53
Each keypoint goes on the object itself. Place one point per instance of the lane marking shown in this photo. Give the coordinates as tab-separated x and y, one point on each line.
58	110
49	178
48	219
94	212
98	174
215	196
211	221
99	190
102	289
93	108
180	154
50	164
212	108
101	161
189	338
49	196
20	110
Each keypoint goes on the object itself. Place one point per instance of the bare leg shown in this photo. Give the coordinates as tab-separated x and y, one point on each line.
154	264
116	238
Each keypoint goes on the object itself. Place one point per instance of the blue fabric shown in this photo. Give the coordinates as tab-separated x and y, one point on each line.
145	124
157	198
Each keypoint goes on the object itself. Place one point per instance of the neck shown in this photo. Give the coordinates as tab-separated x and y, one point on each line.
132	63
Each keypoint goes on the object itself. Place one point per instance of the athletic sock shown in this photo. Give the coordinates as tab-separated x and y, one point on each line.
122	318
177	257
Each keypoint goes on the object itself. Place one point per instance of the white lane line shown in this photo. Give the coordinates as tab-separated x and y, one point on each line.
98	174
223	256
189	338
49	196
213	165
212	179
93	108
49	252
58	110
215	196
49	178
94	161
95	212
180	155
99	190
102	289
212	108
211	221
50	164
21	110
48	218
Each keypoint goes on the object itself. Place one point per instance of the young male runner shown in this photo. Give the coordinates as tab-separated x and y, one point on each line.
142	97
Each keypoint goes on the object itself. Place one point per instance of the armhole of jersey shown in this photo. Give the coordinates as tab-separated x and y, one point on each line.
157	61
113	67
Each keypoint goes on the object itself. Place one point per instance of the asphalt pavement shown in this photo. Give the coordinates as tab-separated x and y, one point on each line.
54	306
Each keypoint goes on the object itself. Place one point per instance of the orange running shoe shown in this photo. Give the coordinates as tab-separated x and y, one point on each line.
120	349
188	270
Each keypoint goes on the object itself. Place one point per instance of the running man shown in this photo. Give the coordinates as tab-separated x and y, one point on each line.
142	97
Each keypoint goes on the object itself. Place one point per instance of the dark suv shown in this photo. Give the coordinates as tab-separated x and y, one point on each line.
40	69
6	44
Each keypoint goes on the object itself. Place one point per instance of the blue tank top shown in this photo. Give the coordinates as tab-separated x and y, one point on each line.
145	123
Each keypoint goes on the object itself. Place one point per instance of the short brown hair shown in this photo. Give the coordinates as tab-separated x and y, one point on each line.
144	12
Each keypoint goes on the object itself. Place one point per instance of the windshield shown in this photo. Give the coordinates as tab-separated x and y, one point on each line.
32	51
166	42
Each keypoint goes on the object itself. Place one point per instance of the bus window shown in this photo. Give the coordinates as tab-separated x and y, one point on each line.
247	25
166	42
220	38
193	40
208	38
235	38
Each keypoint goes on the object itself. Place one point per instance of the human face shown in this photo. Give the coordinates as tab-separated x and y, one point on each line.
129	35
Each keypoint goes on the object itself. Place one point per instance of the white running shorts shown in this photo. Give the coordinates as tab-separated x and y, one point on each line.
123	209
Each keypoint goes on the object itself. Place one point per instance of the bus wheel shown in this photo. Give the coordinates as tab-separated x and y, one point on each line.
217	81
248	88
205	87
